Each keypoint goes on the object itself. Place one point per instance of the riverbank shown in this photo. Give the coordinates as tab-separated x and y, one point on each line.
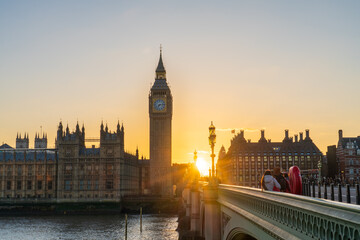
149	206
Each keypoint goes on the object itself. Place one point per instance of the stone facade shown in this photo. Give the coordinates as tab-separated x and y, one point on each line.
348	157
71	172
245	162
27	173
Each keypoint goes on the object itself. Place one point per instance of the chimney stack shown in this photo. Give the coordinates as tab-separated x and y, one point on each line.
262	134
286	133
340	134
307	133
296	138
301	137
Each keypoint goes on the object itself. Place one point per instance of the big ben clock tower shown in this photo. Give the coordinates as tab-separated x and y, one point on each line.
160	113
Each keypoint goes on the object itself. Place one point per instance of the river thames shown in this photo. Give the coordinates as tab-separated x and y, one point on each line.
88	227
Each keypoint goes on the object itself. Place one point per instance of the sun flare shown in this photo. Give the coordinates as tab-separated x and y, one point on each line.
203	166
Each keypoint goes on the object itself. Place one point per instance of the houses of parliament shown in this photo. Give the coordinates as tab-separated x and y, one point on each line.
73	172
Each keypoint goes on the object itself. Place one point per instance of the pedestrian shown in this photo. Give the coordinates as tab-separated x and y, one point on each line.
281	180
286	176
268	182
295	180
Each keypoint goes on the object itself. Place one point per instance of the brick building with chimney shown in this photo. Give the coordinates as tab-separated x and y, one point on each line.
245	162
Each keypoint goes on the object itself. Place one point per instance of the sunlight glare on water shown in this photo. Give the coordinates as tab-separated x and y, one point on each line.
88	227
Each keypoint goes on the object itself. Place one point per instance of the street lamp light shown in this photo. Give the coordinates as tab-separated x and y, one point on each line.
212	141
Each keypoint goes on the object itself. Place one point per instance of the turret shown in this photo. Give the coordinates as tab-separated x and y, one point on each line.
22	142
40	142
222	153
60	131
77	127
118	128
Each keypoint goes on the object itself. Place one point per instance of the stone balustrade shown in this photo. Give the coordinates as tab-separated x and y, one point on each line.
235	211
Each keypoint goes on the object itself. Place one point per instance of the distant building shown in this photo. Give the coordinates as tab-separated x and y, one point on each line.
348	156
27	173
332	163
71	171
245	162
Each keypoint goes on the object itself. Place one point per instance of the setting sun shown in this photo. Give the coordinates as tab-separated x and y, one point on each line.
203	166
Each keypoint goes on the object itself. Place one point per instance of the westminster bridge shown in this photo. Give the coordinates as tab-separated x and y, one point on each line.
228	212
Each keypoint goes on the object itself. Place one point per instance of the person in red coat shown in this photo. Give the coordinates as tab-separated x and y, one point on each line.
295	180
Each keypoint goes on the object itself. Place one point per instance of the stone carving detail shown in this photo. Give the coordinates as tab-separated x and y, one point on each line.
224	221
304	221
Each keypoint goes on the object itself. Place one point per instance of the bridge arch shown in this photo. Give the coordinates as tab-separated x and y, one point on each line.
239	234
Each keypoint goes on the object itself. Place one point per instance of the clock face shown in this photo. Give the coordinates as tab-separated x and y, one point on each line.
159	105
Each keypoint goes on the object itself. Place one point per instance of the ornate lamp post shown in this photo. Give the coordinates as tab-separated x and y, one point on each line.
319	167
212	141
195	157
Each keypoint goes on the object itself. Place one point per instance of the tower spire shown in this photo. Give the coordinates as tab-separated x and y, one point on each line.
160	70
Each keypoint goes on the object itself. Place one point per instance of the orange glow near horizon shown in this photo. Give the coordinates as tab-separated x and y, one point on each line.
98	64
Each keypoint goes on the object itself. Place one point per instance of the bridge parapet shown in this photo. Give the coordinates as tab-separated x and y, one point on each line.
284	216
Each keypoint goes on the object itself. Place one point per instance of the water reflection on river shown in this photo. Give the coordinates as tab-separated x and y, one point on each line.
88	227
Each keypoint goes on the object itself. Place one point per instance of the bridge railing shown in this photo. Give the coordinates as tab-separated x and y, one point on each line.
286	213
333	192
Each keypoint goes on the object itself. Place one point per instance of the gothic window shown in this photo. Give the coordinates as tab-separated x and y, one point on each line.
19	170
50	169
96	169
50	185
68	169
18	185
29	185
96	185
39	169
109	151
88	185
8	185
39	185
68	152
68	185
82	168
109	169
81	185
109	185
9	171
30	169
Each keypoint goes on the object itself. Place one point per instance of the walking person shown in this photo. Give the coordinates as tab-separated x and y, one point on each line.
268	182
281	180
295	180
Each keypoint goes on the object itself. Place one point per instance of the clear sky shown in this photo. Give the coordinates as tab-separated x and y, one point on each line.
270	65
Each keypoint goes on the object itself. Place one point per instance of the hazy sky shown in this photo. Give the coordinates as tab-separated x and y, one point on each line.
242	64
